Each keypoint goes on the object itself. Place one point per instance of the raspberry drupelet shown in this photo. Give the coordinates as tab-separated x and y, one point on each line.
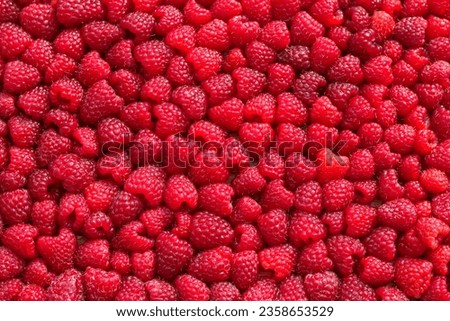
224	150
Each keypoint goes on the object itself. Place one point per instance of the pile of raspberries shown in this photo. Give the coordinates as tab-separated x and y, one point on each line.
224	149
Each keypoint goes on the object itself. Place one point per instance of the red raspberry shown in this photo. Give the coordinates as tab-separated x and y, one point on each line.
19	77
10	290
70	43
143	265
228	115
262	290
182	38
247	238
23	131
73	13
73	211
273	227
154	57
36	273
249	82
20	239
172	255
313	258
410	31
259	11
219	88
307	87
120	262
15	206
244	269
399	214
92	69
148	182
14	40
101	285
353	289
440	258
32	292
344	251
10	181
305	29
169	120
438	290
331	166
10	12
158	290
121	55
224	291
68	286
11	264
132	289
139	24
322	286
39	20
410	245
205	62
275	195
93	253
431	231
191	289
245	210
305	229
375	272
381	243
291	289
212	265
214	35
131	237
279	78
388	293
278	260
434	180
58	251
383	24
276	35
156	220
35	103
216	198
208	231
413	276
346	69
334	222
180	192
192	101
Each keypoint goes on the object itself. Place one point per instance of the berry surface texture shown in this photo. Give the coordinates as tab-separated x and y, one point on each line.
224	150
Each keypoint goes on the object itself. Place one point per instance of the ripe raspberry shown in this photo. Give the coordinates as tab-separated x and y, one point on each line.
262	290
15	206
73	13
93	253
20	77
68	286
131	237
305	229
353	289
101	285
212	265
413	276
224	291
313	258
388	293
249	82
438	290
247	238
143	265
244	269
214	35
36	272
209	231
39	20
20	238
322	286
154	57
132	289
410	31
245	210
169	120
172	255
148	182
344	251
11	264
278	260
158	290
275	195
205	62
191	289
305	29
259	11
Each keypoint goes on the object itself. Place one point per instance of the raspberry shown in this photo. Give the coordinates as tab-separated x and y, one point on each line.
279	78
154	57
388	293
305	29
11	264
249	82
410	31
279	260
121	55
39	20
244	269
172	255
314	259
245	210
399	214
212	265
434	180
32	292
169	120
143	265
10	290
413	276
375	271
275	195
73	13
158	290
205	62
20	77
70	43
101	285
305	229
225	10
20	239
247	238
131	237
191	289
263	290
68	286
322	286
214	35
224	291
148	182
344	251
14	39
15	206
132	289
259	11
192	101
438	290
93	253
353	289
120	262
36	273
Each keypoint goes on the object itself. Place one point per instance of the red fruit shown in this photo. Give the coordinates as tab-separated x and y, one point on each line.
58	251
68	286
413	276
191	289
212	265
101	285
